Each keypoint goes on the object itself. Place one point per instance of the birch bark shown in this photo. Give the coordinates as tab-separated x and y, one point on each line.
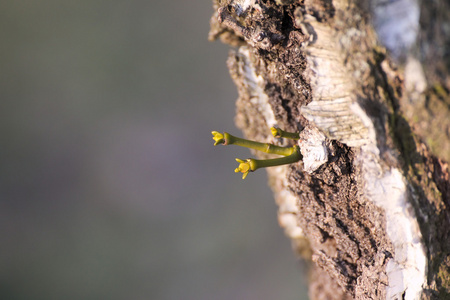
369	82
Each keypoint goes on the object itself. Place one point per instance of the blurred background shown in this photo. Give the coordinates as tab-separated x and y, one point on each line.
110	187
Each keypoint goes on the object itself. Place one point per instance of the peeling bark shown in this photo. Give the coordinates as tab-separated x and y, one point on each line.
371	209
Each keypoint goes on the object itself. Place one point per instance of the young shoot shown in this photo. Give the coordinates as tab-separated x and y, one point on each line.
289	154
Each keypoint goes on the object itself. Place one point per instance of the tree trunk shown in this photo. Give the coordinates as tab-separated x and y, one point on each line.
367	87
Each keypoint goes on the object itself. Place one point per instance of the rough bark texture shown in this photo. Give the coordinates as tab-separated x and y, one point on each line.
374	215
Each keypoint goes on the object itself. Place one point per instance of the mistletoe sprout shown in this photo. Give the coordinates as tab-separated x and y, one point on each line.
290	154
279	133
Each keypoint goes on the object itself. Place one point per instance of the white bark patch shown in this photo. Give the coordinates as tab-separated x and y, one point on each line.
313	147
256	85
415	81
332	90
387	189
397	24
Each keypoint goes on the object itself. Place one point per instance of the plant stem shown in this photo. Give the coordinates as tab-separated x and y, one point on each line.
294	157
263	147
250	164
279	133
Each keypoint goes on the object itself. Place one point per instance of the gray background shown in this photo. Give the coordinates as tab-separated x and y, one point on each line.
110	185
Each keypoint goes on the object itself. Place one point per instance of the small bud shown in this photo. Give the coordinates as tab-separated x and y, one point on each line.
244	167
218	137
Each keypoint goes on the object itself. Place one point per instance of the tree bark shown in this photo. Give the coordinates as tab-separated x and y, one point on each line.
367	87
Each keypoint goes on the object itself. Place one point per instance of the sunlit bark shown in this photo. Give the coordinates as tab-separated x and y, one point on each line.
374	216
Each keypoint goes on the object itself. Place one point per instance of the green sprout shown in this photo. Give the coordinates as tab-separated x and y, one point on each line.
290	154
